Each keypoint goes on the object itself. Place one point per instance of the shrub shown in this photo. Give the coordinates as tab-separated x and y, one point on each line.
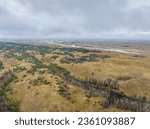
1	65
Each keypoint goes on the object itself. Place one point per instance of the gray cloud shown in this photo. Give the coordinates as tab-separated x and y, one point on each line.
74	18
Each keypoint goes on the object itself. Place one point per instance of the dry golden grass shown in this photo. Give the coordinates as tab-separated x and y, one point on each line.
46	98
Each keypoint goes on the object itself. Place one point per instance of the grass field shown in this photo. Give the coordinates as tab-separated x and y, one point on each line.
40	83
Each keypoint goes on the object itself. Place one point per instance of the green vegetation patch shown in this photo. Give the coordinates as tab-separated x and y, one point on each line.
54	68
1	65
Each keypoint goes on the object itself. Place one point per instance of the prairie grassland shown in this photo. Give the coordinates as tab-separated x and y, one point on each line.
38	88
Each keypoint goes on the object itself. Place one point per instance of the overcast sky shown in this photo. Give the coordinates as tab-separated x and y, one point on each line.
75	19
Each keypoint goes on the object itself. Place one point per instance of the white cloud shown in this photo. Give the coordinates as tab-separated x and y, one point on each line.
73	18
15	7
136	4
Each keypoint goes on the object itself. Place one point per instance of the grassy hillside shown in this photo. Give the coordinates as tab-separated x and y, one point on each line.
52	78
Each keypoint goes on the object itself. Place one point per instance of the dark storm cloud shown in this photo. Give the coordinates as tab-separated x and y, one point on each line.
74	18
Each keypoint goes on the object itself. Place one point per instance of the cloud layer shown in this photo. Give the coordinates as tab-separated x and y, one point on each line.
74	19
